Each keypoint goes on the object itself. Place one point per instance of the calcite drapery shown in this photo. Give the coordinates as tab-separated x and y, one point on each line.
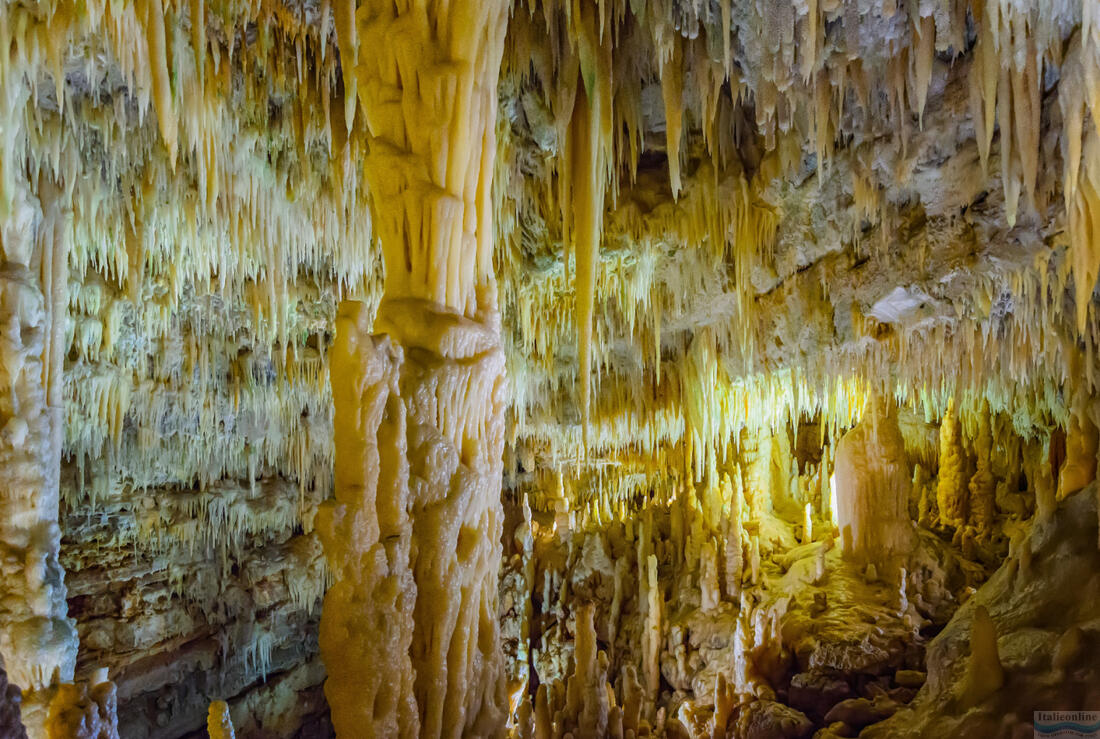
872	487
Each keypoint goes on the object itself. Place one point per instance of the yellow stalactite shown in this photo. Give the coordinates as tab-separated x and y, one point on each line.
153	21
672	92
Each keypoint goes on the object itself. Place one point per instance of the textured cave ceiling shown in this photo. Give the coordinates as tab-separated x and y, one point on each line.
867	193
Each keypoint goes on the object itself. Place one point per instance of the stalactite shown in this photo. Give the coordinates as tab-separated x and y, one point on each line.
672	84
153	21
588	141
922	61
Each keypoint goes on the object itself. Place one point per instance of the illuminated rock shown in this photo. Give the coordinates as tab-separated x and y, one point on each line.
873	484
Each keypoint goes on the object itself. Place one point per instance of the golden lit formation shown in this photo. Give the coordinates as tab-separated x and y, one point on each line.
549	368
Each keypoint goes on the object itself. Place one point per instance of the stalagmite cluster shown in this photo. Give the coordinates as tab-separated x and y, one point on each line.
548	368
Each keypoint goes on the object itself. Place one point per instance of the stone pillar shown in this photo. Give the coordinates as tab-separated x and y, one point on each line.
38	641
409	631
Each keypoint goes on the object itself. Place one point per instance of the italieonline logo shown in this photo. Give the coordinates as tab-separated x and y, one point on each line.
1058	724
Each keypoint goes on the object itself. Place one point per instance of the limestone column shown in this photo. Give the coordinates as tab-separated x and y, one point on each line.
38	641
409	631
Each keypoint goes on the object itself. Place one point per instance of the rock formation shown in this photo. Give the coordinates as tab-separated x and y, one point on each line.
546	368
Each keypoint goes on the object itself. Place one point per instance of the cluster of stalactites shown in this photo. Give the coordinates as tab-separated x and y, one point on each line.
811	76
1017	364
703	413
210	204
596	135
188	154
422	84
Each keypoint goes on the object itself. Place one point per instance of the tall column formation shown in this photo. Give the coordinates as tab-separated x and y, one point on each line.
367	622
872	487
756	470
951	489
38	641
409	631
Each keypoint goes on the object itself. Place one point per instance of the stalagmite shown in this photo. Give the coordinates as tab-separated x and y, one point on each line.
393	490
984	673
83	710
926	505
756	466
951	498
1040	477
754	560
734	553
981	487
652	634
586	697
873	484
1079	467
369	610
708	578
218	723
724	698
